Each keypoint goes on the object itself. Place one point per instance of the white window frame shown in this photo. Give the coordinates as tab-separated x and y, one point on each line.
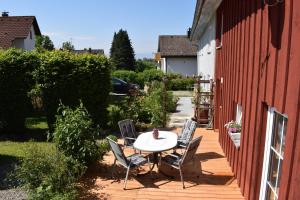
266	160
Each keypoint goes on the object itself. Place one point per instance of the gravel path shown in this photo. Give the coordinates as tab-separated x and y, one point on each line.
13	194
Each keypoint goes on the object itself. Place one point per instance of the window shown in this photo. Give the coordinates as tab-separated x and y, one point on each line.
30	35
274	154
238	114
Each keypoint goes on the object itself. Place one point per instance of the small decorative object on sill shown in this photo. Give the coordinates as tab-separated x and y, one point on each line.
234	132
233	127
155	133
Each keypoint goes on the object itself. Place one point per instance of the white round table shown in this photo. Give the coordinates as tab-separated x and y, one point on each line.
145	142
166	140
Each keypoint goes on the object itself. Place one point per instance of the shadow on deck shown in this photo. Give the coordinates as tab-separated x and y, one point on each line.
209	177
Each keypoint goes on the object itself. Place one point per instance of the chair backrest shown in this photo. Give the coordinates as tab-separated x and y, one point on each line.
127	130
190	150
188	131
117	151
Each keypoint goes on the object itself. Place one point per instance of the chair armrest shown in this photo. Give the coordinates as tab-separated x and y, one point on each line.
182	145
129	138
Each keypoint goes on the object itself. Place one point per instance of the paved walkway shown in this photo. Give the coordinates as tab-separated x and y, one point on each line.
184	110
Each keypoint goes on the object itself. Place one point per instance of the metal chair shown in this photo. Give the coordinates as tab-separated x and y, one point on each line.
128	132
129	162
177	161
186	134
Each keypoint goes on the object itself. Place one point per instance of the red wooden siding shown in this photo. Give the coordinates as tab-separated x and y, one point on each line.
259	63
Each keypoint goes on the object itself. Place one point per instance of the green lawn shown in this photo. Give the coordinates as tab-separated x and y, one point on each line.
15	150
12	151
36	123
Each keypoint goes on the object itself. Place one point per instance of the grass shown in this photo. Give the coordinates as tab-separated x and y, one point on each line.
36	123
12	151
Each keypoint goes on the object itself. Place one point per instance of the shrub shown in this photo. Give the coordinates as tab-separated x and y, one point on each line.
104	146
181	84
142	65
15	81
115	114
48	174
149	75
126	75
75	135
68	77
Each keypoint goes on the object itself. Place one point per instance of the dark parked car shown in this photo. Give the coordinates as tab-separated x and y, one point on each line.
122	87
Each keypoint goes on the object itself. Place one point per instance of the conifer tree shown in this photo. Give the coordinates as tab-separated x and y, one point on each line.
121	51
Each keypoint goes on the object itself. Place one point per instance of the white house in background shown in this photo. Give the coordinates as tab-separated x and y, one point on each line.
177	55
204	33
18	31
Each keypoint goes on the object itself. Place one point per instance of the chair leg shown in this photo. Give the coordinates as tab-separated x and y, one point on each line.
125	183
113	168
181	177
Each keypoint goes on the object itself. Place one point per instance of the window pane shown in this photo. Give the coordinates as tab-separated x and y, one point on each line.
283	136
270	194
277	130
273	169
279	177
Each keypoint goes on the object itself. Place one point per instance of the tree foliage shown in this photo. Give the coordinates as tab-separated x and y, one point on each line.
15	82
121	51
68	46
44	43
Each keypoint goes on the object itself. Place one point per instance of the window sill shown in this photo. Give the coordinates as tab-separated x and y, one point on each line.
236	139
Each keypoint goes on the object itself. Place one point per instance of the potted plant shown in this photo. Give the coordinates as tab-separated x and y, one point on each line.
233	127
234	131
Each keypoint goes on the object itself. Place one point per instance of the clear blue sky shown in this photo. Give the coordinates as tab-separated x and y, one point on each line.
91	23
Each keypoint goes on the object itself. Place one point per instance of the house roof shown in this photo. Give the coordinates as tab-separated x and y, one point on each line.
203	13
15	27
176	45
92	51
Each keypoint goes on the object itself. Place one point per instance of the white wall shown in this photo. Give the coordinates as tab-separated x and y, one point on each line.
29	44
26	43
18	43
207	50
187	66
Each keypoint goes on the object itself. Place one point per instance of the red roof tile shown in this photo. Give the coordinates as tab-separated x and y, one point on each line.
13	27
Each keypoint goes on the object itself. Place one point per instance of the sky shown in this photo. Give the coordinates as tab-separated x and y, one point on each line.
92	23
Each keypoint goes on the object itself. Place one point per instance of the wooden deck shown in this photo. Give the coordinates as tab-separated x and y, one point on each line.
210	177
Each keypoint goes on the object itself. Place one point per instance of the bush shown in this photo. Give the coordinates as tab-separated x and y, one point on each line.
149	75
48	174
181	84
104	146
126	75
67	77
115	114
15	81
75	135
142	65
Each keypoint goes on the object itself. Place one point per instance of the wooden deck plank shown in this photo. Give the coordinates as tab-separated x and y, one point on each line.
210	177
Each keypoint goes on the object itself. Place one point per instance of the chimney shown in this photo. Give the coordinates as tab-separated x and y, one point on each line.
5	14
189	32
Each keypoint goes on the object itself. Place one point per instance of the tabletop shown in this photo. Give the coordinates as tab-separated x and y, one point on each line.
165	141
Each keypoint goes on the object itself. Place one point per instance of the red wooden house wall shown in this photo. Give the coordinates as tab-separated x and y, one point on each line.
258	66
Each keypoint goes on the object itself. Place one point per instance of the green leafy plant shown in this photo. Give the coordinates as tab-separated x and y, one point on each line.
233	127
75	135
15	81
48	173
66	77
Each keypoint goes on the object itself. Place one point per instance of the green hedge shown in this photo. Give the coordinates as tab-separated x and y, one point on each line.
181	84
68	78
140	78
176	81
15	82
